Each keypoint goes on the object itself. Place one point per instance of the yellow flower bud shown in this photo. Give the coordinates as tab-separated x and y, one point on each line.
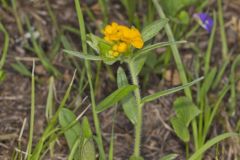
115	47
115	54
122	47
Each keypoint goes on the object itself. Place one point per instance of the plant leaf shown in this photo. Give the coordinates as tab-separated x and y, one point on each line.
86	128
172	7
185	110
169	157
128	103
180	129
83	56
169	91
210	143
208	81
88	150
73	134
146	50
113	98
136	158
152	29
138	63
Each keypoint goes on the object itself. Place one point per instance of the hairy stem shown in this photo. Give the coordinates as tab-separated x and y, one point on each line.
138	126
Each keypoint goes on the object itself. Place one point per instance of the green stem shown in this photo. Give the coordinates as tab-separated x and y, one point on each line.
29	147
5	46
89	76
138	126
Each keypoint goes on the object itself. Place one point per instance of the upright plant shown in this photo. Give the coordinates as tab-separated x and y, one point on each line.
126	45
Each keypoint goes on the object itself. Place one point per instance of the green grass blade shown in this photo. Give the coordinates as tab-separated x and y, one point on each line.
51	127
5	45
21	68
29	147
233	96
207	56
40	53
222	30
89	76
49	105
174	48
74	149
169	91
210	143
169	157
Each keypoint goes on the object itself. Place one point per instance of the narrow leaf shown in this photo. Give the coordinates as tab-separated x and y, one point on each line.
210	143
83	56
169	91
169	157
152	29
146	50
113	98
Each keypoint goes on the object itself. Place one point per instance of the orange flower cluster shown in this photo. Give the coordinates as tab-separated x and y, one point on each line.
122	37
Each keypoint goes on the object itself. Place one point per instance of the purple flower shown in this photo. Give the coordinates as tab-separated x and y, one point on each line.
205	21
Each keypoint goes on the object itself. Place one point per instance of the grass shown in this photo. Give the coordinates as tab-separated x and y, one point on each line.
89	76
209	95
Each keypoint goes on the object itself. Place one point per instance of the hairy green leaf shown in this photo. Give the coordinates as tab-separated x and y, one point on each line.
146	50
169	91
152	29
115	97
83	56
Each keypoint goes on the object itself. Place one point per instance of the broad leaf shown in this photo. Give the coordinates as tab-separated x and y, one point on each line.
152	29
115	97
88	150
73	134
83	56
86	128
128	103
172	7
185	110
138	63
180	129
169	157
169	91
